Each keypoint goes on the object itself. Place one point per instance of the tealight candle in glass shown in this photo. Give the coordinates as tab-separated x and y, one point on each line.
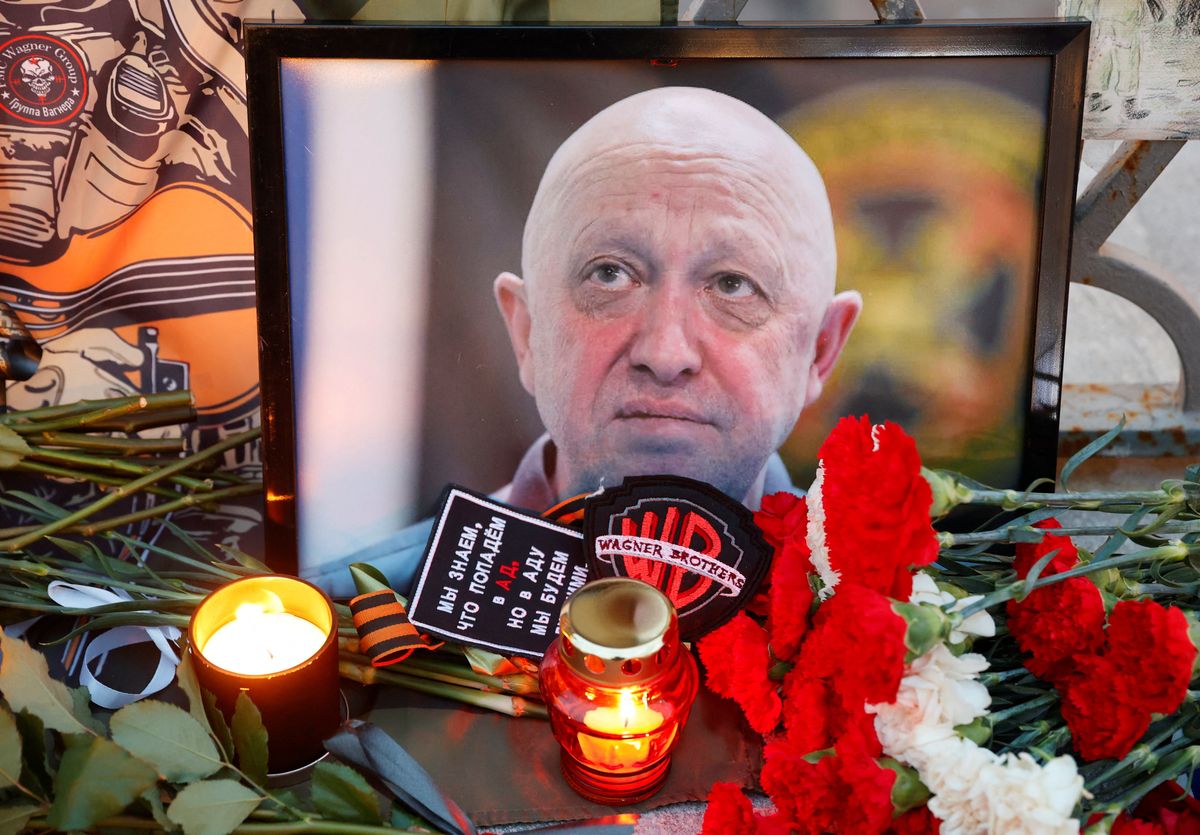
618	685
274	638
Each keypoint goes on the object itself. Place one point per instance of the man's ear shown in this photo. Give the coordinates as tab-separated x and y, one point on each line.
839	320
514	307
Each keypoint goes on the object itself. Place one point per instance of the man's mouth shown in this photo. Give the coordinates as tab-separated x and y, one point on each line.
649	410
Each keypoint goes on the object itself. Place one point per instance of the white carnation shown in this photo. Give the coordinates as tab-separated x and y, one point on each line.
980	624
1024	798
814	535
938	692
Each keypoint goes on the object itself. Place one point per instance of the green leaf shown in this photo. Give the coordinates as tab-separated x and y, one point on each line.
216	721
12	448
39	506
26	683
10	749
212	807
340	793
168	738
250	739
81	703
153	800
245	560
14	815
37	773
368	578
185	676
1088	451
96	780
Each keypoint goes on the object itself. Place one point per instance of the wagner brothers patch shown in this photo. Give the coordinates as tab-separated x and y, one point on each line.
691	541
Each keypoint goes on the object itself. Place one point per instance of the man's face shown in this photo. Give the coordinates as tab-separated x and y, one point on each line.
674	305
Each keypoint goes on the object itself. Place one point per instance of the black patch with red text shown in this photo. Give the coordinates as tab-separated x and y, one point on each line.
494	576
43	80
691	541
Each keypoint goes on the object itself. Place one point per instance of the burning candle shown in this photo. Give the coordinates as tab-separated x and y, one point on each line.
624	742
618	686
275	639
263	639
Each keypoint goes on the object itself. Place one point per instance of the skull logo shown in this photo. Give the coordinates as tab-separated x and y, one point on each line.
38	75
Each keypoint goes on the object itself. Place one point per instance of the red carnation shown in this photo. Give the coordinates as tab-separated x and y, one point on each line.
839	793
919	821
790	598
1056	624
1125	825
728	810
1149	645
1171	809
782	517
1028	553
858	642
1100	710
737	660
875	506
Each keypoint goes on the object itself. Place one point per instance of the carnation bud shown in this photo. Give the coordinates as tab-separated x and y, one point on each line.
978	731
908	792
927	626
1193	622
948	493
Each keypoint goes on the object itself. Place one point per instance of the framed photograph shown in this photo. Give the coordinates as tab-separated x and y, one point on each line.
532	260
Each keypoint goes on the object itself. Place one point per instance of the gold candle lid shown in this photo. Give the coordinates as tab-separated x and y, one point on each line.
619	631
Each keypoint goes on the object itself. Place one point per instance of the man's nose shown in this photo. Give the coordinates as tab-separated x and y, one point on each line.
665	345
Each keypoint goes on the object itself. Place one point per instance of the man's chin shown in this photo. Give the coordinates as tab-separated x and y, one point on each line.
661	456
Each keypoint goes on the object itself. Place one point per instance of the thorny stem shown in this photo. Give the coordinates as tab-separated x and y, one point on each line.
19	542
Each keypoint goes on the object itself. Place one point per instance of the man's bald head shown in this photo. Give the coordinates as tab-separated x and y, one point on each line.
690	124
676	311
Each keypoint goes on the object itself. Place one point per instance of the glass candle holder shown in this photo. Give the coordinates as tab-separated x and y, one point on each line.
274	638
618	685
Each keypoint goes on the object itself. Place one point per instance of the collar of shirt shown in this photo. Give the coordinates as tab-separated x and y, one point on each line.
531	487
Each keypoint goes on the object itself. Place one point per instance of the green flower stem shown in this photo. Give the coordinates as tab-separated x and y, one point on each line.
113	496
314	825
75	475
189	500
80	407
1169	768
1094	500
499	702
145	420
1030	706
956	540
76	421
121	446
1167	553
88	578
116	465
230	572
449	672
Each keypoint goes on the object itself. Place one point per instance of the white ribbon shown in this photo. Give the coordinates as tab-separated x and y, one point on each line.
73	596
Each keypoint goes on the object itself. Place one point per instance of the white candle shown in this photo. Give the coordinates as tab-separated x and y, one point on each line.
628	717
258	642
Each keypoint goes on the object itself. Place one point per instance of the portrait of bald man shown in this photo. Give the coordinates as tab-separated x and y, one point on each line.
675	311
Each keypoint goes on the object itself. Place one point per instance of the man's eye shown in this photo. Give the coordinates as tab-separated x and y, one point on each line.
733	286
611	275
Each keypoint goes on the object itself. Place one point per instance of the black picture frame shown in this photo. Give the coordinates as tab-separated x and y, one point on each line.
1063	42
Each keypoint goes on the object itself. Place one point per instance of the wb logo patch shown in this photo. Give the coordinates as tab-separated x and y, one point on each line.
688	539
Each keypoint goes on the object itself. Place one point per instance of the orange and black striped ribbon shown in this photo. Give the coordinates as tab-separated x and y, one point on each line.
568	513
385	634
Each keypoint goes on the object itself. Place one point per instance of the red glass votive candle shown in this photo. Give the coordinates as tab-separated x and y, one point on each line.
618	685
274	638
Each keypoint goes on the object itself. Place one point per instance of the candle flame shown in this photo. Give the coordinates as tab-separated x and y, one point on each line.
270	604
627	708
